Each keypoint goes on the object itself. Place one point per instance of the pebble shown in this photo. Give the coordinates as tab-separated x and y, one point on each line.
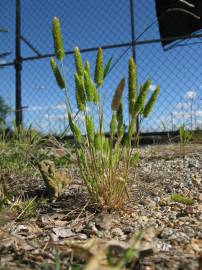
172	234
117	232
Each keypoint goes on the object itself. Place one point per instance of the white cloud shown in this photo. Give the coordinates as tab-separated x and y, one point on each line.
181	115
41	87
183	106
59	106
152	87
199	122
186	115
191	94
36	108
55	117
2	61
198	113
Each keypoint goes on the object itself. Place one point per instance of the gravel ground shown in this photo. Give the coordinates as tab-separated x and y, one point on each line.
173	231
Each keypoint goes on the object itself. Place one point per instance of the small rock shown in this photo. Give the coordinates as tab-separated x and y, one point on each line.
199	197
117	232
128	229
190	210
172	234
143	220
199	207
172	216
193	164
61	232
80	236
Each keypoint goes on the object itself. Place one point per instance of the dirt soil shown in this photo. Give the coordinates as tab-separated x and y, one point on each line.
173	231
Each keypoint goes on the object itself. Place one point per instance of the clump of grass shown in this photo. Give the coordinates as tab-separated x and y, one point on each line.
182	199
104	162
185	137
24	208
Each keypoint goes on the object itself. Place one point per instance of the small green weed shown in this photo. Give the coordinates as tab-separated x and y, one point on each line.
24	208
128	256
182	199
185	136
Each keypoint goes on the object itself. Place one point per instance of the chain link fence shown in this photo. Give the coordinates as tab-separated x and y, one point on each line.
91	24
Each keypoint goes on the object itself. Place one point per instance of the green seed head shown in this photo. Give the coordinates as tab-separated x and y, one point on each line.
99	69
59	78
87	68
140	101
131	85
150	104
88	87
78	61
57	39
75	130
117	96
96	96
80	93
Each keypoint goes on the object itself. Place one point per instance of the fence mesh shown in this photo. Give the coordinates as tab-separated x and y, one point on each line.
90	24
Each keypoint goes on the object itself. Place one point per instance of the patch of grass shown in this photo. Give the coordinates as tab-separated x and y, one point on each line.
182	199
24	208
185	136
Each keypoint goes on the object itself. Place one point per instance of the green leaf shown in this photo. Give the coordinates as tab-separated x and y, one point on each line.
135	159
107	67
120	127
88	87
90	129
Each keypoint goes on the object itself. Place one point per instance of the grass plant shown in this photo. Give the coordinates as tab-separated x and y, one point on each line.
104	162
182	199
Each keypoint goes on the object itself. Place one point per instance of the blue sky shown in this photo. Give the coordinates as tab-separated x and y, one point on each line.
93	23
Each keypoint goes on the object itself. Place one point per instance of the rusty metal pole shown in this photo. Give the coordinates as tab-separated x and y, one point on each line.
18	67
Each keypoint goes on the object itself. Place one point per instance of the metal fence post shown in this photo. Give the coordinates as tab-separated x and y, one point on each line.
132	20
18	67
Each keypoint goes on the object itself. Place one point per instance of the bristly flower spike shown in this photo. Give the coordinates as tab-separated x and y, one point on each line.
57	39
131	84
150	104
59	78
99	69
117	96
78	61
